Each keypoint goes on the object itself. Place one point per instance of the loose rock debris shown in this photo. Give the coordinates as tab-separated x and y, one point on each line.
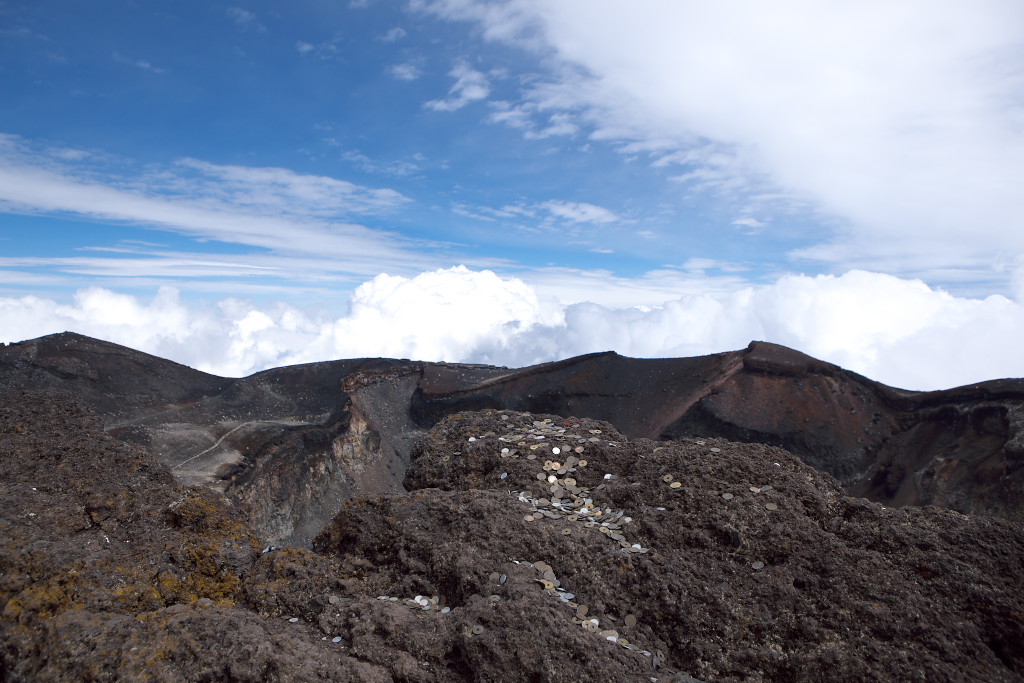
451	581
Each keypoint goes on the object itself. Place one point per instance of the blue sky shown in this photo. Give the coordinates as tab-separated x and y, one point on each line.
242	185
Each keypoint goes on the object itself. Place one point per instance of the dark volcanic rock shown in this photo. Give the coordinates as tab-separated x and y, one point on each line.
289	445
110	571
737	562
751	566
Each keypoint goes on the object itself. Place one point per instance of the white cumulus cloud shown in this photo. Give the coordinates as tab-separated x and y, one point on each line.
894	330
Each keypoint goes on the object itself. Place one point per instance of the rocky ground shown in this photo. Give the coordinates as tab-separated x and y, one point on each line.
527	547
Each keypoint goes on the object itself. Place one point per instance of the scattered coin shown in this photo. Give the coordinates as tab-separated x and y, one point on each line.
771	506
758	565
478	629
336	639
676	484
495	576
667	478
727	496
715	450
630	620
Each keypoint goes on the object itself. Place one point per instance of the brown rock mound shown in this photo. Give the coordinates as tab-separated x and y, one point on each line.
662	560
719	560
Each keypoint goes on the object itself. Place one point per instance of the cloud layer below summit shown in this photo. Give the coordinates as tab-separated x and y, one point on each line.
900	332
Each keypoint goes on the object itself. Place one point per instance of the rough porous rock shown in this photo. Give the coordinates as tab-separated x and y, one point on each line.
757	567
111	571
718	561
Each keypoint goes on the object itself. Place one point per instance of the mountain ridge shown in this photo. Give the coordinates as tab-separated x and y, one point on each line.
290	444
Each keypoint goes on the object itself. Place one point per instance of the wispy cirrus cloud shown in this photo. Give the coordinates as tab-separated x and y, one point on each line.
899	123
470	86
393	35
324	51
397	168
245	20
541	214
407	71
264	208
143	64
580	212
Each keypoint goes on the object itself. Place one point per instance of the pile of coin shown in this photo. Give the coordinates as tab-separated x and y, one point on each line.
424	604
589	623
